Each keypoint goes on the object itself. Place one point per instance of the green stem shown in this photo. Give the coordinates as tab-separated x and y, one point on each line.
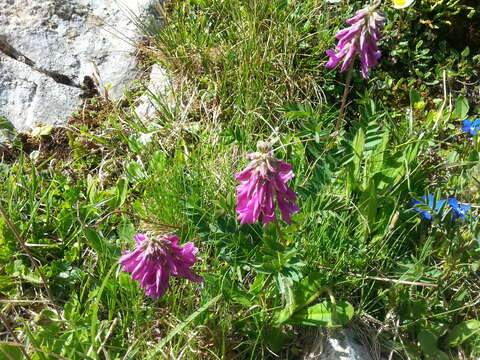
280	233
344	97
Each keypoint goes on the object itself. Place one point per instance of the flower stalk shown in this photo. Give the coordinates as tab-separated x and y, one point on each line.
346	91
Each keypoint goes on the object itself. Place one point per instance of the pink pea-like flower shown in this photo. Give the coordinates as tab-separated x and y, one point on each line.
154	260
263	188
359	38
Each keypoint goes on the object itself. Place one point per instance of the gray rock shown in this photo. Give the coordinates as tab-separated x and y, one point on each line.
28	97
47	47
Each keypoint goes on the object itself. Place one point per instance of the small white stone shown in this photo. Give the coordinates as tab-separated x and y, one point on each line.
339	344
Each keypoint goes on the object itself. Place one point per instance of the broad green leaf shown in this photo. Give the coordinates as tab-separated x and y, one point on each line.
304	293
20	270
375	162
42	130
92	188
358	146
158	162
6	125
10	352
428	343
134	143
94	240
122	190
368	203
462	332
324	314
461	108
275	338
135	171
415	97
258	284
466	52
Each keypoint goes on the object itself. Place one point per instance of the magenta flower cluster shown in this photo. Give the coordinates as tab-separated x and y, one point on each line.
154	260
263	187
359	38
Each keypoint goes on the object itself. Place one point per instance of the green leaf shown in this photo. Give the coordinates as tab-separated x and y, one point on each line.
376	160
275	338
414	97
428	343
135	171
134	143
462	332
92	189
304	293
368	205
324	314
18	269
6	125
94	240
461	108
358	146
42	130
122	190
10	352
158	162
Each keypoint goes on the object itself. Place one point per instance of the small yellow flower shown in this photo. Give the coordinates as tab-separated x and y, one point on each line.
400	4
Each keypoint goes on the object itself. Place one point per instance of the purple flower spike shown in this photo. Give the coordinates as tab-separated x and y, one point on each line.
263	187
359	38
154	260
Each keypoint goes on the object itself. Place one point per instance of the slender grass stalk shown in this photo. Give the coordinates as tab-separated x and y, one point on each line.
30	257
9	329
152	353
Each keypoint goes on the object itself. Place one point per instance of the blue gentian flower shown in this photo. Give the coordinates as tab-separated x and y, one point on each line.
428	206
471	127
458	211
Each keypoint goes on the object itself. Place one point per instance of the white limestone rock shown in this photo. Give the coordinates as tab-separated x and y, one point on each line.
27	96
66	37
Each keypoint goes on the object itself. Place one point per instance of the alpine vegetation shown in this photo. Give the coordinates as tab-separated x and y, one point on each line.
185	235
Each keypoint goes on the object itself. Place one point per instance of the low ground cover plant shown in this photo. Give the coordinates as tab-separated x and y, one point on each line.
272	196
